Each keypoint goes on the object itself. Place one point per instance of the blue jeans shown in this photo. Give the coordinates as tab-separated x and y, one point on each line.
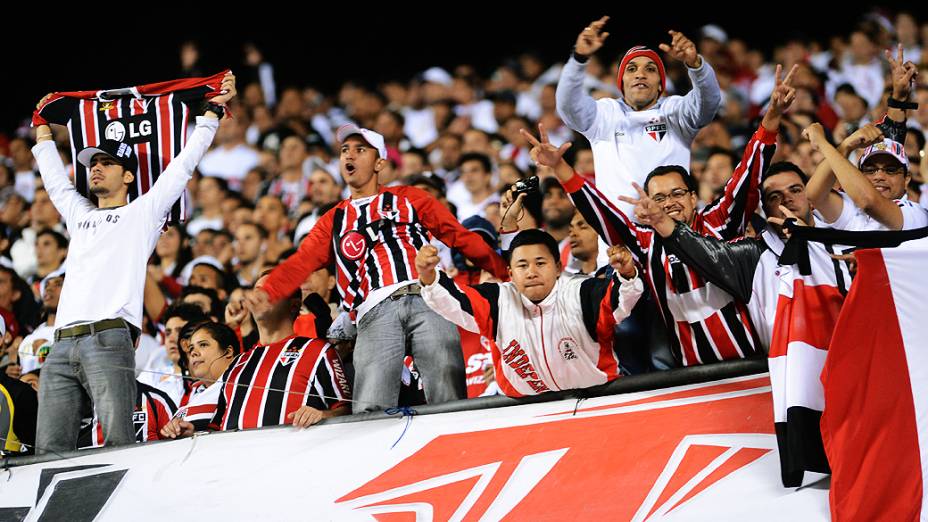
384	332
99	367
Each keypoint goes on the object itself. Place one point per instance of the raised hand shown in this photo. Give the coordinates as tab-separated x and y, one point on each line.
903	74
620	257
683	49
591	38
510	208
783	92
543	152
227	90
862	138
815	133
426	261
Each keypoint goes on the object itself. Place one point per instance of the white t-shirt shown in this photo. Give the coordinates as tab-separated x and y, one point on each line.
109	247
854	218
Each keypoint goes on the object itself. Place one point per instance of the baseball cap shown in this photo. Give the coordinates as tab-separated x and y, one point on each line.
119	151
886	147
372	138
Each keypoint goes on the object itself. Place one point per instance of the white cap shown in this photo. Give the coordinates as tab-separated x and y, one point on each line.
202	260
372	138
714	32
438	75
58	272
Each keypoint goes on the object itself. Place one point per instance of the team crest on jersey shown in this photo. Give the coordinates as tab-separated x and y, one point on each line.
656	129
289	355
352	245
106	106
567	347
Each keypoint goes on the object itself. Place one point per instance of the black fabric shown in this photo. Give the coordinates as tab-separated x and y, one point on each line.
799	440
26	410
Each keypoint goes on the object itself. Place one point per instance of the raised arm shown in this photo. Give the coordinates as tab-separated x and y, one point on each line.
471	308
702	102
857	187
820	189
61	191
610	223
172	182
574	105
729	215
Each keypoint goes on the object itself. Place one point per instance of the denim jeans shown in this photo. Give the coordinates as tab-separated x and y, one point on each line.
384	333
99	368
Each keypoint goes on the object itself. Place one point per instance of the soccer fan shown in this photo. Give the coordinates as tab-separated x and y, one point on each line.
110	241
642	130
372	237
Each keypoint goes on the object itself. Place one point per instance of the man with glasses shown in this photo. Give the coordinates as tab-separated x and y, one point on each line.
704	322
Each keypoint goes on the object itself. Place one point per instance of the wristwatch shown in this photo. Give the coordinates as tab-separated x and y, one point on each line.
215	108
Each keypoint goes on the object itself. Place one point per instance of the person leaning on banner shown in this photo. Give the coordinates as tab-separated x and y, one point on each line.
552	331
100	309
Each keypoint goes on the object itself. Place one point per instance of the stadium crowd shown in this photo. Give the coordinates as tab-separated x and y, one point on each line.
543	227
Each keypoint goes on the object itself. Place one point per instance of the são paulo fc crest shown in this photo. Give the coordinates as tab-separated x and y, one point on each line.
289	355
656	130
567	347
352	245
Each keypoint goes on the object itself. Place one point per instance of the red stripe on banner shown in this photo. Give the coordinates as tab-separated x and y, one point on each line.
696	458
719	335
808	316
742	458
869	426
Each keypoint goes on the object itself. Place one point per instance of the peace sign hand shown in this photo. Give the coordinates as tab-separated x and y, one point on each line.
647	211
543	152
783	92
903	74
591	38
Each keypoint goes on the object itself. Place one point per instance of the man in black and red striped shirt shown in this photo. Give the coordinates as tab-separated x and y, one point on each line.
704	322
372	238
284	379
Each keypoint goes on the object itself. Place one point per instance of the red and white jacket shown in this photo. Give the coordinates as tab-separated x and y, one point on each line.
563	342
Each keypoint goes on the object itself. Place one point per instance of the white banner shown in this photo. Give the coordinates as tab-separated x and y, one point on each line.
695	452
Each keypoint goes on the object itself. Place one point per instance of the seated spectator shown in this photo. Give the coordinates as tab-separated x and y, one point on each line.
231	158
210	194
20	405
153	410
206	298
170	379
213	347
250	248
473	190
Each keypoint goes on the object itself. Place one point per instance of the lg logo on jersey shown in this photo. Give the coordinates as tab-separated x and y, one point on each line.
115	130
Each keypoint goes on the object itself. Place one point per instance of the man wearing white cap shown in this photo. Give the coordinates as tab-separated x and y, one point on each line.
632	135
873	195
372	238
100	310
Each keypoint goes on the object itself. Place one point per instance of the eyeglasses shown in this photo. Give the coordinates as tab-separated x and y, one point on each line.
892	171
675	194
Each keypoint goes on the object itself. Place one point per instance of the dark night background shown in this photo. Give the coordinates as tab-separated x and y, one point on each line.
361	42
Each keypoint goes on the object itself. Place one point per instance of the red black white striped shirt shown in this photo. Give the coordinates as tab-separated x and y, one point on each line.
267	383
373	242
704	323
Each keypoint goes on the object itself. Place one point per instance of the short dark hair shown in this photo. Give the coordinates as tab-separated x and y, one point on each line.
919	137
535	236
216	306
476	156
57	236
222	334
715	151
663	170
187	311
220	182
261	230
784	166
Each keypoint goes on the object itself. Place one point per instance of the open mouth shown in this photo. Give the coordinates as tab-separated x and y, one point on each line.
639	86
675	213
350	168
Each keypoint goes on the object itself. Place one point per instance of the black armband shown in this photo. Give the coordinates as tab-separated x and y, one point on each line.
901	104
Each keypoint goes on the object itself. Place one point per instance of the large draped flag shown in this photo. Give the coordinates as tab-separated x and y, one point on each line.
875	422
152	118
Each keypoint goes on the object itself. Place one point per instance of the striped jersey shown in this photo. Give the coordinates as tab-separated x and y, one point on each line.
373	242
268	382
704	322
153	410
152	118
201	404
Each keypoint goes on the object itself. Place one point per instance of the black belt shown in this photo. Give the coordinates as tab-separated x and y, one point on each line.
82	330
411	289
